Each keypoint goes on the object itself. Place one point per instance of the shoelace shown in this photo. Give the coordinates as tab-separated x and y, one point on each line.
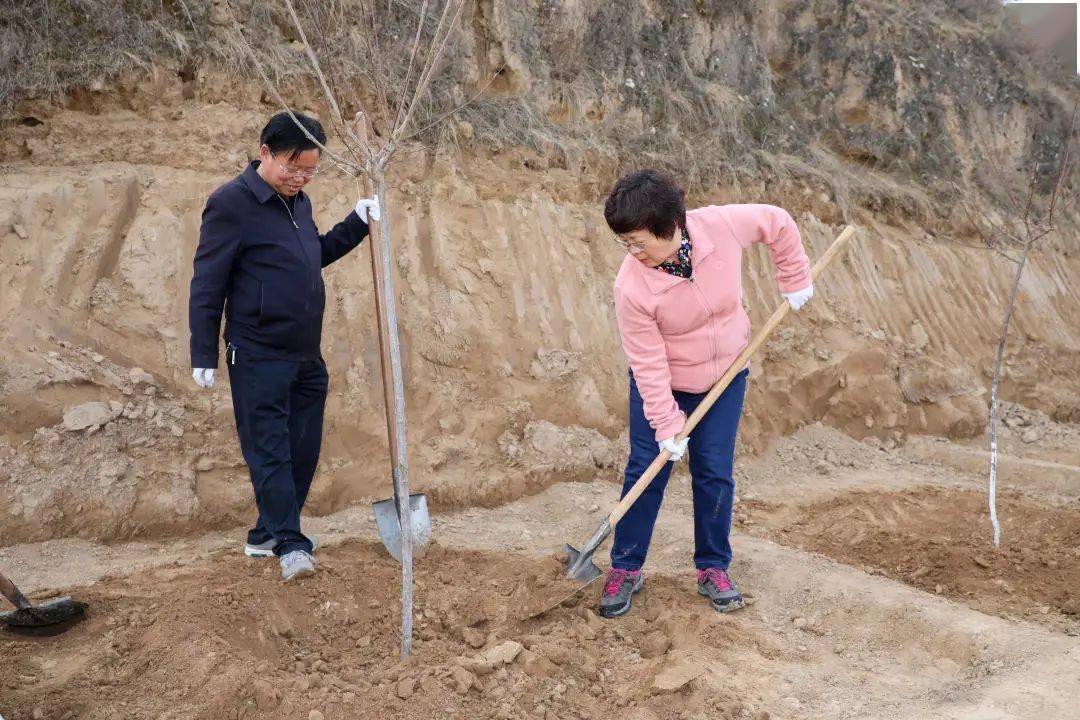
716	576
615	581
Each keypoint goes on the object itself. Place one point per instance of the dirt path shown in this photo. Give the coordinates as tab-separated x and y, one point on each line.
189	629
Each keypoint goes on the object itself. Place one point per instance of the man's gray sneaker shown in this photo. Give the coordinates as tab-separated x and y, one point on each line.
724	594
296	564
619	591
266	549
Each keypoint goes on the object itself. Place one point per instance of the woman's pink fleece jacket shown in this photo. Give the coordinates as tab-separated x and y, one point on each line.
682	334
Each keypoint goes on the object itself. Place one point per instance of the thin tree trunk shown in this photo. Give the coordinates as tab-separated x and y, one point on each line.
382	274
995	387
400	446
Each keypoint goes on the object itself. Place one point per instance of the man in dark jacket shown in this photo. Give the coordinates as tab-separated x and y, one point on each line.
260	259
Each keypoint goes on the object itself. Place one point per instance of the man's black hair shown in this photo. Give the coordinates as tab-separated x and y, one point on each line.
282	135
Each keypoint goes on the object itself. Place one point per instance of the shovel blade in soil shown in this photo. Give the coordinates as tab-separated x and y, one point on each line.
47	618
544	586
386	519
579	566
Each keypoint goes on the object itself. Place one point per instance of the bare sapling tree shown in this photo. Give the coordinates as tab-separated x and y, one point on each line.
398	113
1026	219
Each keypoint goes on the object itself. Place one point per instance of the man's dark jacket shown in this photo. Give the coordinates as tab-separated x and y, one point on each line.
263	266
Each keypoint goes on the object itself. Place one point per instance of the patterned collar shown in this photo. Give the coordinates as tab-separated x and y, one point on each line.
680	266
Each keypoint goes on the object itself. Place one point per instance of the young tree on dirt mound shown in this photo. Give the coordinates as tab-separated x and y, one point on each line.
1026	217
393	104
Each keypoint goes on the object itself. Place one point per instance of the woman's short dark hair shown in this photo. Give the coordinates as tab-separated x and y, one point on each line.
646	199
282	135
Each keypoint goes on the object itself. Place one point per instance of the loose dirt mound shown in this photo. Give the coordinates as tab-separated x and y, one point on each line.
227	639
939	540
221	637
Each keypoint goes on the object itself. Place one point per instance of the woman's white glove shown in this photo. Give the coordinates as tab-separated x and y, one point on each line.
204	377
800	297
368	208
677	449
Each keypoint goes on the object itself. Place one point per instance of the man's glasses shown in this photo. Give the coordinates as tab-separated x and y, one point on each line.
296	172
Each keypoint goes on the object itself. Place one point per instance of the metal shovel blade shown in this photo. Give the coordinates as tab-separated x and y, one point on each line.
579	566
386	519
579	563
47	618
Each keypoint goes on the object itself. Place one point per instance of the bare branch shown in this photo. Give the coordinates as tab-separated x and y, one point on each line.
371	38
1025	217
998	230
356	147
974	223
412	59
1066	160
1039	233
337	120
188	14
409	104
314	61
959	243
318	25
459	108
1067	203
346	166
1005	255
431	63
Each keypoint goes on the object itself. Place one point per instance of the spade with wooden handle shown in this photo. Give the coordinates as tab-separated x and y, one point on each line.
404	527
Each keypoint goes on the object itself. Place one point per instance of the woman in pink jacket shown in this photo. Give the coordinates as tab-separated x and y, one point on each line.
678	300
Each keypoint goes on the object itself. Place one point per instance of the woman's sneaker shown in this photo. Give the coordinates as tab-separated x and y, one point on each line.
619	591
716	585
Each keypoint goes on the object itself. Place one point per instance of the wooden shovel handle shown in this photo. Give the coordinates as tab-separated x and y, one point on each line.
721	385
375	241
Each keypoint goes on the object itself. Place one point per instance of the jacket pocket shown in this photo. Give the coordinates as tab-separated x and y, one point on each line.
277	308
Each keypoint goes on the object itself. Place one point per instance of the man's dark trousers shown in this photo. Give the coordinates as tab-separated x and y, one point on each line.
278	406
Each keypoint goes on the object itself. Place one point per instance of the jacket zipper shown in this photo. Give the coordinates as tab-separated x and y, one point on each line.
299	240
290	213
712	324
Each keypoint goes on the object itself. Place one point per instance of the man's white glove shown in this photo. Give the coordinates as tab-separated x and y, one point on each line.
204	377
677	449
800	297
368	208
